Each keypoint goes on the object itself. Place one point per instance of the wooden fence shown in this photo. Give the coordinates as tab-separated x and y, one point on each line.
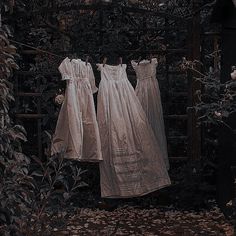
189	142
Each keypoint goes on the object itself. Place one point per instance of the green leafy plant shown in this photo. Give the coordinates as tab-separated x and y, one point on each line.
216	103
31	190
56	182
14	177
216	100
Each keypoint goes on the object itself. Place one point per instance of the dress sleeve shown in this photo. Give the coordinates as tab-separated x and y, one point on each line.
92	79
63	70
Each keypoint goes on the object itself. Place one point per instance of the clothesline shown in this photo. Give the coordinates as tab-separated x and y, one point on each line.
41	50
128	166
60	56
37	49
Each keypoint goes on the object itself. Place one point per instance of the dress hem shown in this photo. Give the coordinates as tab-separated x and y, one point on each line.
138	195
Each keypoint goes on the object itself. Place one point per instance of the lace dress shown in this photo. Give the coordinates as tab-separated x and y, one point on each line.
148	93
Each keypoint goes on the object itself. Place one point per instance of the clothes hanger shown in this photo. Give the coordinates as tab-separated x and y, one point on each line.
87	60
150	57
139	59
104	61
71	58
121	61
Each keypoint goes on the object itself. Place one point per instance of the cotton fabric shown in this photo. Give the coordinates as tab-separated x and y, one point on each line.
148	93
132	163
77	132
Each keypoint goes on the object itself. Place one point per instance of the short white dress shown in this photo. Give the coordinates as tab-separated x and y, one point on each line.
132	159
77	133
148	93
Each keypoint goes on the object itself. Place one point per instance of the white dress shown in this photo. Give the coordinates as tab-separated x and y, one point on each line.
148	93
132	161
77	132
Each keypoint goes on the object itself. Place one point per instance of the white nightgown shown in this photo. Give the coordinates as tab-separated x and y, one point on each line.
132	161
77	132
148	93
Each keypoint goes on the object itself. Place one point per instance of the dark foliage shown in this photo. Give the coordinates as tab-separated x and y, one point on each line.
35	190
30	189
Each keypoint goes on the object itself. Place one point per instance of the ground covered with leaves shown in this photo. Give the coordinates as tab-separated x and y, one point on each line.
134	221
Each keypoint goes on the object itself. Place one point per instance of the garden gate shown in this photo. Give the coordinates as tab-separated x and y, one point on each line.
164	35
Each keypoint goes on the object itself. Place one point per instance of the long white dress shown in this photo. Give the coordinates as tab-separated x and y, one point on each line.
148	93
77	132
132	161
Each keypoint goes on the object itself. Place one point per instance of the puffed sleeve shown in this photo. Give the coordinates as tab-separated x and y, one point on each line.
134	64
64	70
99	67
92	79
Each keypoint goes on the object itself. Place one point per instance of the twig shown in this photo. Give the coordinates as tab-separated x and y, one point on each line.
194	70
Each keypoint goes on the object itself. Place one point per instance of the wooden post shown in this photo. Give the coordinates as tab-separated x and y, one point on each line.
39	121
225	13
16	90
216	48
101	16
167	121
194	132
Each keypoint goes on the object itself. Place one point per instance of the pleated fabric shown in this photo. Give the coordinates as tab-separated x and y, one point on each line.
148	93
132	164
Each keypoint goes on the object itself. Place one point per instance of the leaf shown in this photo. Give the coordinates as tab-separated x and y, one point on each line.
225	113
10	49
36	173
81	184
17	135
4	39
48	134
3	217
25	170
7	30
66	196
11	98
20	128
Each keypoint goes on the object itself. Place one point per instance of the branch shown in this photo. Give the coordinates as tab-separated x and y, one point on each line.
207	5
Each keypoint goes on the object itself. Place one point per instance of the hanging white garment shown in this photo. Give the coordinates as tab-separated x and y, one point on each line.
132	160
148	93
77	131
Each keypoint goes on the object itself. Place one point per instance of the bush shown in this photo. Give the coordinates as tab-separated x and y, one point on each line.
31	191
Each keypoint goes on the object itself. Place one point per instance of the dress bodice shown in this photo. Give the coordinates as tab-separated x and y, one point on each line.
145	69
76	70
76	134
113	73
